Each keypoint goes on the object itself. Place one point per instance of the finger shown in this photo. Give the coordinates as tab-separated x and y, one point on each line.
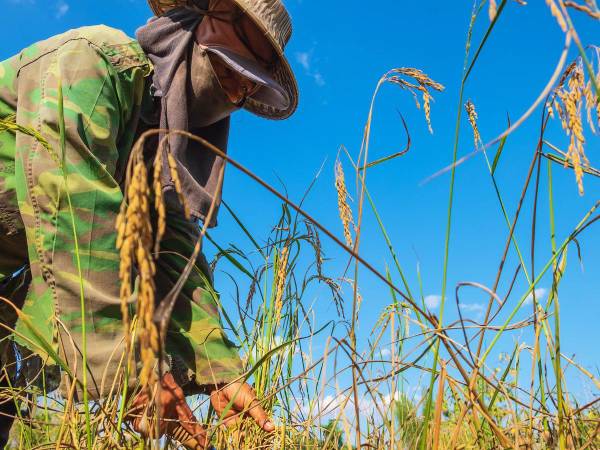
233	421
188	421
260	416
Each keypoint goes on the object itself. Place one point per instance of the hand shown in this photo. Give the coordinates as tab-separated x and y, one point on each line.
174	413
243	403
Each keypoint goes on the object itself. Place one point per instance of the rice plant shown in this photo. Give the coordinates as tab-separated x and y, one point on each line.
324	386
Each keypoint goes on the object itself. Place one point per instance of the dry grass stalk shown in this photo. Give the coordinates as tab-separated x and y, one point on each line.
281	277
343	206
590	8
557	14
470	107
424	84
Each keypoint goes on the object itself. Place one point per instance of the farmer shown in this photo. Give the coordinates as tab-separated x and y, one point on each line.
71	108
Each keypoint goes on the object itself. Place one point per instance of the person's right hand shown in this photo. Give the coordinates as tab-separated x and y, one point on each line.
242	401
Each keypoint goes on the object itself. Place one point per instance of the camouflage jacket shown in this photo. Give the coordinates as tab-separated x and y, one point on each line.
102	75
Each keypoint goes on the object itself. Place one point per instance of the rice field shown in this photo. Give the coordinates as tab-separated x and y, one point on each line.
324	386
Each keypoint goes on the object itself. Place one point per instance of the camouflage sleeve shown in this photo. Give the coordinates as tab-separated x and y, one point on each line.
69	200
199	351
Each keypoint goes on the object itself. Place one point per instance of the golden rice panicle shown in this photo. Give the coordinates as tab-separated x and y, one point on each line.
492	10
280	282
343	206
571	97
177	182
135	242
557	14
470	107
427	109
590	103
423	85
159	204
592	99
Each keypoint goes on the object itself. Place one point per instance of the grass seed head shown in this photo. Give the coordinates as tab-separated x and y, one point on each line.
343	206
470	107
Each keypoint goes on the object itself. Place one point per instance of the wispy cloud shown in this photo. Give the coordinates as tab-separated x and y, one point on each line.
540	294
475	307
385	352
62	8
305	60
433	301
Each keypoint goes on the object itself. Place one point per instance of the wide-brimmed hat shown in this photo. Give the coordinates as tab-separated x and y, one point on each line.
271	17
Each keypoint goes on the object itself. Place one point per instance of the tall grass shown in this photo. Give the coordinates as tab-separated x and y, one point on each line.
326	387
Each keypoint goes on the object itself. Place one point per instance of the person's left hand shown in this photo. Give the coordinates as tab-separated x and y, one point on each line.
243	403
174	413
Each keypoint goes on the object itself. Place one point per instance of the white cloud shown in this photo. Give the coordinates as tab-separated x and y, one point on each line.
62	8
433	301
330	406
385	352
540	294
476	307
305	60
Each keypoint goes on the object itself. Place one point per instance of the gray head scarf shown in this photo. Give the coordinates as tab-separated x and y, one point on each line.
191	99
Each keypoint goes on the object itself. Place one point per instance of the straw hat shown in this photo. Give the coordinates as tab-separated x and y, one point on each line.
271	17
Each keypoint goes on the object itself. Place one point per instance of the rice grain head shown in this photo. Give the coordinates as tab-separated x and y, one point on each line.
557	14
280	285
136	242
423	86
343	207
159	204
571	94
177	183
492	10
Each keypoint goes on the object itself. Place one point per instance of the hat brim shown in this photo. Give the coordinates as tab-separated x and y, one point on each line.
270	92
282	72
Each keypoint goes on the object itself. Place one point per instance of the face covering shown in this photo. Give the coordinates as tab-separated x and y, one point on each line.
191	99
208	103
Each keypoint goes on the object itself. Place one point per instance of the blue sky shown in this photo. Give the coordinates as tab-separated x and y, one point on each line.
339	50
